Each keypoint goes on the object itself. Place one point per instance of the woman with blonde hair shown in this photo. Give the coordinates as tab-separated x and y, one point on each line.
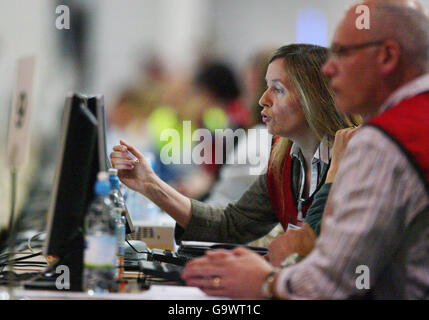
309	97
298	108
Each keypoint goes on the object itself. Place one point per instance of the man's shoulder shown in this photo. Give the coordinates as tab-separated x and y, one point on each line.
374	154
373	138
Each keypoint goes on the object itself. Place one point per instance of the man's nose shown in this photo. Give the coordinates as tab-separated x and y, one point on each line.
328	68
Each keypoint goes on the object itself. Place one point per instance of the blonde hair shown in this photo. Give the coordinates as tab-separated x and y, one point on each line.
303	65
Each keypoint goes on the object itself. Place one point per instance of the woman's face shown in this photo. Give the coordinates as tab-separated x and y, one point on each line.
282	111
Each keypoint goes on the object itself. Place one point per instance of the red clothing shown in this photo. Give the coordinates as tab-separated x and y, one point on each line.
285	205
407	124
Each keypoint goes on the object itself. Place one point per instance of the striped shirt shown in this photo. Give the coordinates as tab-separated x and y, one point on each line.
368	228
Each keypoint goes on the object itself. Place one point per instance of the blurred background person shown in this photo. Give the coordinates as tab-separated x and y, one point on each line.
235	178
222	108
127	119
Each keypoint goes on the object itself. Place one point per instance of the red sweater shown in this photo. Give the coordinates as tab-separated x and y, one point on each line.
407	124
285	205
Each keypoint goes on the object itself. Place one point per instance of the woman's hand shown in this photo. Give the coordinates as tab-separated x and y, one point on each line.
292	241
140	177
342	138
134	174
238	273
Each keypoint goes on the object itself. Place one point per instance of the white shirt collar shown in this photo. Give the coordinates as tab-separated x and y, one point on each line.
325	152
410	89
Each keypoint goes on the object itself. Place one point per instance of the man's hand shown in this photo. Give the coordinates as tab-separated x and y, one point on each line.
238	273
300	241
342	138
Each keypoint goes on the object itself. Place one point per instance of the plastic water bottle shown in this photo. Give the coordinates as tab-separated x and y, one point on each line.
118	214
100	241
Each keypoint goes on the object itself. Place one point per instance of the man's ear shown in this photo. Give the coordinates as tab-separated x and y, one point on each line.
389	57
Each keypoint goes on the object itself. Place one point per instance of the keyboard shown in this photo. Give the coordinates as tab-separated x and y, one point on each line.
187	253
170	257
45	281
199	250
165	271
131	265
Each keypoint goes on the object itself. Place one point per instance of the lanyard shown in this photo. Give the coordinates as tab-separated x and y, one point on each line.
301	192
315	175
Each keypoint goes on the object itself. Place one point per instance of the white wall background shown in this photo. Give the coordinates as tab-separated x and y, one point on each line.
125	32
26	28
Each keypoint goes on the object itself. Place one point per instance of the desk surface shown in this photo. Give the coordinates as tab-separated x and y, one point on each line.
156	292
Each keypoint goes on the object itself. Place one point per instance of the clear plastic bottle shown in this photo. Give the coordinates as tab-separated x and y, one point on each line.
118	214
100	241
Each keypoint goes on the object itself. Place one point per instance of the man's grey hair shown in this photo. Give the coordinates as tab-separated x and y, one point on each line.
408	26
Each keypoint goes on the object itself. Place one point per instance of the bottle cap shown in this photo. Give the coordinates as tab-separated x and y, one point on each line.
113	171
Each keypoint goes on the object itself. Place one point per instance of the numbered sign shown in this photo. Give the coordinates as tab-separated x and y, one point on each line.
19	120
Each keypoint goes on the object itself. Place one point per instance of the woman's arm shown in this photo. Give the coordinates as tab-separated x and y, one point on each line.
251	217
245	220
315	212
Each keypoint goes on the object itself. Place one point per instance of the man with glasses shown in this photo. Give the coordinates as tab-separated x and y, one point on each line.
375	231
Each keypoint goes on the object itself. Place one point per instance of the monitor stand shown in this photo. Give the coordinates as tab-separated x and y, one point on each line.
71	263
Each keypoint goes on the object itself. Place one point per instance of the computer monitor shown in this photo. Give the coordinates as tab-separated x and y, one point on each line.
82	154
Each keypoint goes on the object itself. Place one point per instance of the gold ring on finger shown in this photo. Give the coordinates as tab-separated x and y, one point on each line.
216	282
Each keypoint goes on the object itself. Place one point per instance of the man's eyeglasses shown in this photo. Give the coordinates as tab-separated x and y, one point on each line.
337	50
